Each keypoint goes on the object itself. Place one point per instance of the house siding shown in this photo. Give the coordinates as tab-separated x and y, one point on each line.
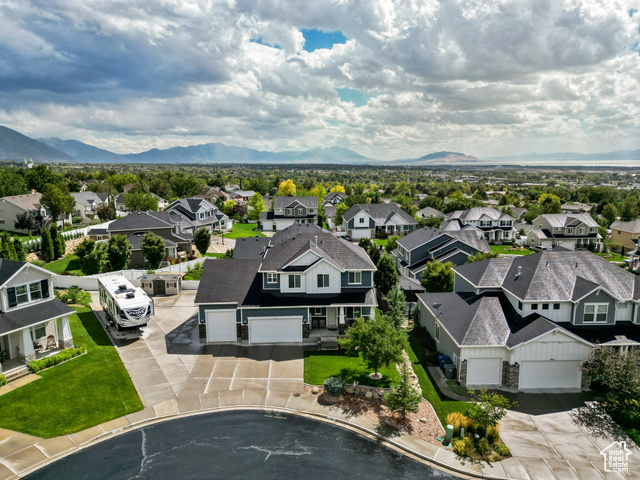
600	297
446	344
245	313
366	280
462	285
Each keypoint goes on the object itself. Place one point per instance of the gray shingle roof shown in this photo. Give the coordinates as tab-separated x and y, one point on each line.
476	213
330	196
558	220
86	198
250	247
226	281
284	202
29	201
8	268
135	239
27	316
631	227
486	273
381	213
138	221
425	234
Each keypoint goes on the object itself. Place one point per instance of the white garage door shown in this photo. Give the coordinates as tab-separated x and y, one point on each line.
358	233
221	326
275	330
550	374
484	371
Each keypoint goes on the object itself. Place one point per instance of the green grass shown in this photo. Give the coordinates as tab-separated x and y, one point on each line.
457	388
380	241
242	230
442	404
318	366
612	257
22	236
634	433
503	250
75	395
70	264
215	255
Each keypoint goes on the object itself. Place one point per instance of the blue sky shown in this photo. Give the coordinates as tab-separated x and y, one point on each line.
387	79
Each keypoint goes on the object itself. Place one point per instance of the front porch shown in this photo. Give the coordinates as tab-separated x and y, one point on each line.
16	366
327	324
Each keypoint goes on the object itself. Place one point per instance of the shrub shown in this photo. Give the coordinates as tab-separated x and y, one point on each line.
3	380
39	263
462	446
482	447
48	362
75	295
501	449
334	386
458	420
76	220
493	434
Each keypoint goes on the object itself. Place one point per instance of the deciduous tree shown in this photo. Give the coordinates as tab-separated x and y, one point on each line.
288	187
118	252
57	201
386	277
257	205
438	277
202	239
153	249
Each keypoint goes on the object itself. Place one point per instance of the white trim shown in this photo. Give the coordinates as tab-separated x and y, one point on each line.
354	273
596	306
39	321
30	265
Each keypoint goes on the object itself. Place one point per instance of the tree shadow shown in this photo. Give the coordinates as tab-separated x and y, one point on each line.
593	417
352	375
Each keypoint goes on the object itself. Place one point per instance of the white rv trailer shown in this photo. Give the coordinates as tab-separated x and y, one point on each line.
127	306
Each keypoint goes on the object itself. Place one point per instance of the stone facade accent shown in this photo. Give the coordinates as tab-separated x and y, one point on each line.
510	375
370	393
30	357
305	330
65	344
202	331
244	332
463	373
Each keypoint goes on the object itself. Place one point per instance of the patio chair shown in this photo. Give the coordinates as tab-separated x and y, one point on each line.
51	342
39	344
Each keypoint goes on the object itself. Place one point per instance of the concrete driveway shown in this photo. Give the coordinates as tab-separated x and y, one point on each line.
560	436
170	362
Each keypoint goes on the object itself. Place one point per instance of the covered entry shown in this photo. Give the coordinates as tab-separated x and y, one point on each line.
275	330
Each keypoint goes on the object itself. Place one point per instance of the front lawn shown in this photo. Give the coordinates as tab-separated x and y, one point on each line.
69	264
612	257
380	241
634	433
215	255
75	395
320	365
242	230
442	404
505	250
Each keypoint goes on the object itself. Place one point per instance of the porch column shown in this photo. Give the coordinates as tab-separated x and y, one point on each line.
341	319
65	339
27	353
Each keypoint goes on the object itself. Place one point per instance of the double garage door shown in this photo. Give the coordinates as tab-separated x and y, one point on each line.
550	374
221	327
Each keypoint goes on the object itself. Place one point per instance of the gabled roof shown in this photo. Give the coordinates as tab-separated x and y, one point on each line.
135	239
381	213
284	202
250	247
561	275
630	227
330	196
8	268
226	281
426	234
476	213
139	221
559	220
29	201
430	212
88	197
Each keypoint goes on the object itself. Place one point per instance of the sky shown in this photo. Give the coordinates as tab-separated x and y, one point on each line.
388	79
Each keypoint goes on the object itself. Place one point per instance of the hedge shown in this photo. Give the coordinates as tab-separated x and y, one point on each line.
3	380
38	365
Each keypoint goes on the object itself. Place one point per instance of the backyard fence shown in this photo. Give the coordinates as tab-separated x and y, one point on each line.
34	244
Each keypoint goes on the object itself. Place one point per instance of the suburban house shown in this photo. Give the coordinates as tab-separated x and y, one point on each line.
213	194
366	220
242	197
303	285
121	207
87	204
624	233
11	207
199	212
496	226
288	211
167	225
426	244
334	198
33	323
528	323
428	212
573	231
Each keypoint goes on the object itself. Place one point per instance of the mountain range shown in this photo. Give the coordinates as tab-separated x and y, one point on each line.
16	146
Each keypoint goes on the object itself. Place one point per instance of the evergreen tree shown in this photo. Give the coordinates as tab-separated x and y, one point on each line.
84	248
7	249
404	398
374	253
118	252
386	277
46	246
396	306
59	245
21	255
202	239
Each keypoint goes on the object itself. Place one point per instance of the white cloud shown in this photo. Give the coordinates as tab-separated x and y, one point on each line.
486	78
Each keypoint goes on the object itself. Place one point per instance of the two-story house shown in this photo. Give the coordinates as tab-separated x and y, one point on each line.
288	211
33	323
199	212
573	231
529	322
303	285
365	220
427	244
496	226
242	197
11	207
87	204
334	198
626	234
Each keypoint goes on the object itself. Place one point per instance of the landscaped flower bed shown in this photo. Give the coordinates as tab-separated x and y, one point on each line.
47	362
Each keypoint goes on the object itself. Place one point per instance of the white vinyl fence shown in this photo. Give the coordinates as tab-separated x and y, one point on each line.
34	244
91	282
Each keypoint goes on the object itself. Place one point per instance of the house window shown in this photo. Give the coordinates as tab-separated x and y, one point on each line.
353	312
288	211
272	278
556	306
361	220
519	305
595	312
545	306
323	280
534	306
34	291
294	281
581	230
319	311
355	278
437	332
22	294
623	305
301	211
570	231
39	332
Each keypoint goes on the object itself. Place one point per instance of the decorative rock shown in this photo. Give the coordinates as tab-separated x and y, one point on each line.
368	395
350	389
315	390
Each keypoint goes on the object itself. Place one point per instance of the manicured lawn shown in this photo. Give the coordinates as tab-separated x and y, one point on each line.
22	236
612	257
215	255
634	433
70	264
380	241
442	405
318	366
75	395
457	388
241	230
504	250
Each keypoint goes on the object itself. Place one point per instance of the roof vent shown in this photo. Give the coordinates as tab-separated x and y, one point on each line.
576	264
519	271
122	287
547	263
316	237
437	305
131	295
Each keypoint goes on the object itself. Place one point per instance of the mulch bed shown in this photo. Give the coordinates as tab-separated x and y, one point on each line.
424	425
